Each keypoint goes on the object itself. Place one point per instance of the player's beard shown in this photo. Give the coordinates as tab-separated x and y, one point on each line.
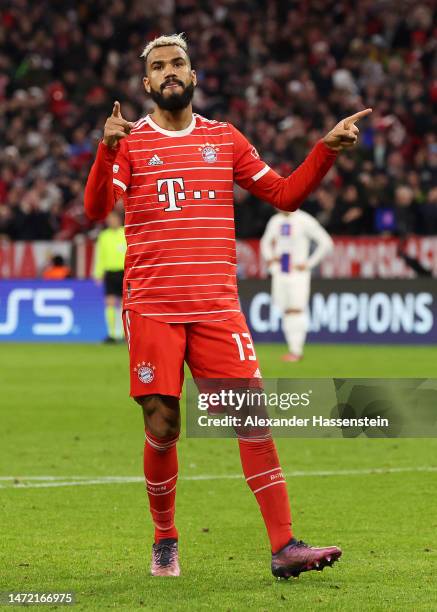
175	101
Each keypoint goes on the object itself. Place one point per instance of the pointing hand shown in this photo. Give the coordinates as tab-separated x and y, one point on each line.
345	134
116	127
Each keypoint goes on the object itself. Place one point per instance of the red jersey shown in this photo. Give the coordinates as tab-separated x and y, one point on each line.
177	187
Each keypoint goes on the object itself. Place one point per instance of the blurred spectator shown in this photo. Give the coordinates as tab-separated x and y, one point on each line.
405	210
57	269
349	216
251	215
283	72
321	206
428	214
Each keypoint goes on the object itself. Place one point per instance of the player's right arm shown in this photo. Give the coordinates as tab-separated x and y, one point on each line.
267	243
109	176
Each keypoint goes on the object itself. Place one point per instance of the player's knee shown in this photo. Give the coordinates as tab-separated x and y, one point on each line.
164	429
161	415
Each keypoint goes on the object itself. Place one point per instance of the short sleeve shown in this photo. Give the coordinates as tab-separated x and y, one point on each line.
121	172
248	167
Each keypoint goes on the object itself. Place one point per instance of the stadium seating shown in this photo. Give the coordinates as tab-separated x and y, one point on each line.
282	73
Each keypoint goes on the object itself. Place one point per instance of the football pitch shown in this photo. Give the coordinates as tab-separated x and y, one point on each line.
74	513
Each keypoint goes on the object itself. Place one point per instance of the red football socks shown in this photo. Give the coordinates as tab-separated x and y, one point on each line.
161	473
264	476
262	472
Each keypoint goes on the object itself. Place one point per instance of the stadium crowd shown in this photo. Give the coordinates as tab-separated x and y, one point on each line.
282	71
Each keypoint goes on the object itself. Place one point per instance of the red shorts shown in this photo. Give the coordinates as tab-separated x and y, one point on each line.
157	351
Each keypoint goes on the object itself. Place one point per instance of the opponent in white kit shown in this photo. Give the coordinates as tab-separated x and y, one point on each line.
285	246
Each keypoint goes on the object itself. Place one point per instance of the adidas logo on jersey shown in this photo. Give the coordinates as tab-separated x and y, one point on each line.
155	161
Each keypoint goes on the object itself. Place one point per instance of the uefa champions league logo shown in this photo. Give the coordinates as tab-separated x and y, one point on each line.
209	153
145	372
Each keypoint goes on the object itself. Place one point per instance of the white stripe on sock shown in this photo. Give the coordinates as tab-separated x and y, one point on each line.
262	473
149	482
269	485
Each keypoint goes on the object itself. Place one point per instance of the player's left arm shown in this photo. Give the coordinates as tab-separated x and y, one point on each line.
324	242
251	173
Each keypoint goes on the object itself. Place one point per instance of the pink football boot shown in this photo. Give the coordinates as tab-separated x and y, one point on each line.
165	559
297	557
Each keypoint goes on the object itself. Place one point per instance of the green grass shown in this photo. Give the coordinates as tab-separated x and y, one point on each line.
65	411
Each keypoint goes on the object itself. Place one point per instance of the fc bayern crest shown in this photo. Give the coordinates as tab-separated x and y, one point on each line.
209	153
145	372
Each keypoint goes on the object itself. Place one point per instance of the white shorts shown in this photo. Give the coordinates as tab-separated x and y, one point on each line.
291	291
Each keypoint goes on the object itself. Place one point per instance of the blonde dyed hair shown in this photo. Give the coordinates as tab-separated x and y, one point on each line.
165	41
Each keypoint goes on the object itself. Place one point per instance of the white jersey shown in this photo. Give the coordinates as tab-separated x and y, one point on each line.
287	239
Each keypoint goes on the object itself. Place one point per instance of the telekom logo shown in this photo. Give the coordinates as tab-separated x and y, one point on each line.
172	190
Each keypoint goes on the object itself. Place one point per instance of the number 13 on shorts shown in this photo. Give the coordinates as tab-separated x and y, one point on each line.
245	349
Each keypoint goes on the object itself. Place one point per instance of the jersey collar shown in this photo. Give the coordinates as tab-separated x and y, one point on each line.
174	133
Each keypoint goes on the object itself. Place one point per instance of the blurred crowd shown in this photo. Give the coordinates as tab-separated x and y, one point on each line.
284	72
